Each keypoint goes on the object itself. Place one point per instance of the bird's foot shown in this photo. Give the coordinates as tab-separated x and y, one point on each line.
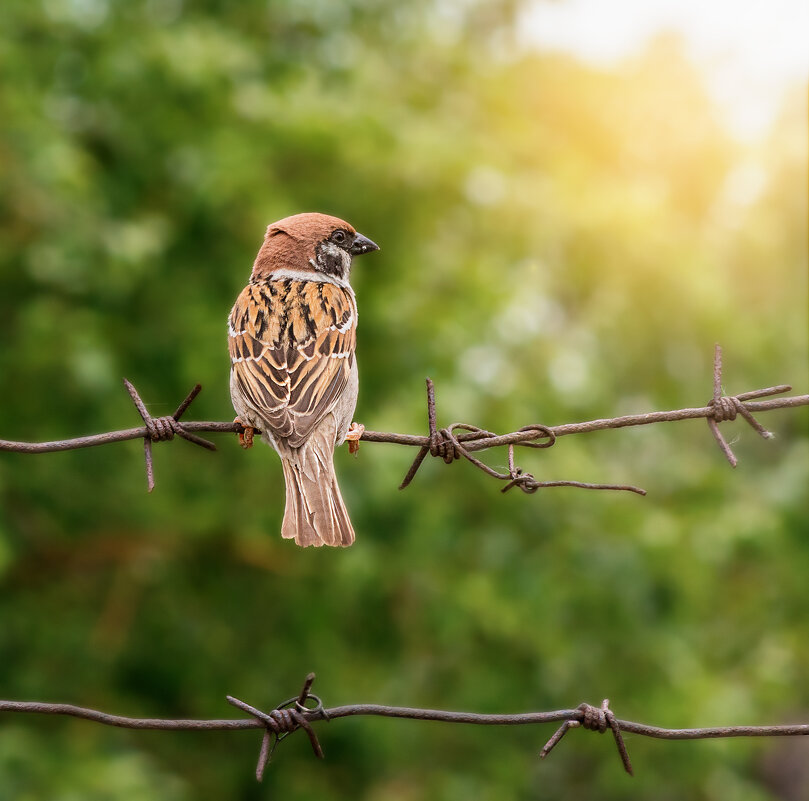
245	435
355	431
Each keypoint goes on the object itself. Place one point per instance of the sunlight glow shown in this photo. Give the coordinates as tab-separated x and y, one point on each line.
750	54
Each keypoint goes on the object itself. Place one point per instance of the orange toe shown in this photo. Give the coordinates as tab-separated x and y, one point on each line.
245	435
355	431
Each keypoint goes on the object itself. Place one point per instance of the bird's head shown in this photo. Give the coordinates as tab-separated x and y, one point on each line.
311	242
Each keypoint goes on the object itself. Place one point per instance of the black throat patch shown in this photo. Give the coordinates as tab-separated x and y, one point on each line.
332	260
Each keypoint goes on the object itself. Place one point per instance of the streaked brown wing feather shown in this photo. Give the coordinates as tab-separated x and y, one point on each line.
292	349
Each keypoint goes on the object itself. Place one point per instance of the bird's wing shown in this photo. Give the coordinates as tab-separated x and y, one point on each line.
291	351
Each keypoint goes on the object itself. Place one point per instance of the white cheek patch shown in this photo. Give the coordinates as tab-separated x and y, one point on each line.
333	250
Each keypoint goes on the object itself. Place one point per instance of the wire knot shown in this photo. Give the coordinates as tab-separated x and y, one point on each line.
162	429
281	721
525	481
595	719
443	444
286	719
724	408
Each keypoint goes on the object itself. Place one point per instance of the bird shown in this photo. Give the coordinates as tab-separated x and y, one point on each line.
292	336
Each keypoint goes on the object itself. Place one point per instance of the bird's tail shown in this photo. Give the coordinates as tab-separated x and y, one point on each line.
315	513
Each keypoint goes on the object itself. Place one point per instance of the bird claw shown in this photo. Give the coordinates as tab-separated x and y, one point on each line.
245	435
355	431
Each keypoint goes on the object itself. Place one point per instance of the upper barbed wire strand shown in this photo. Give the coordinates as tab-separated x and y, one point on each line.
444	443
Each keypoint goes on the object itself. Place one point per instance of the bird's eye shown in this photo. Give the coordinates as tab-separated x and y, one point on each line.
339	237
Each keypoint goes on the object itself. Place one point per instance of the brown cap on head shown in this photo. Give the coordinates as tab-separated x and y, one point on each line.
290	243
310	226
311	242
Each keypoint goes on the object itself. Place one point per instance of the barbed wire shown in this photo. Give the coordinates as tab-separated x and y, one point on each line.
445	443
306	708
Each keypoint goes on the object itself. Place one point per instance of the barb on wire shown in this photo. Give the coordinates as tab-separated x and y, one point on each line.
458	440
283	721
594	719
294	714
445	444
726	408
163	429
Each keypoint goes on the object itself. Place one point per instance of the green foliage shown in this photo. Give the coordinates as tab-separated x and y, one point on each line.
558	243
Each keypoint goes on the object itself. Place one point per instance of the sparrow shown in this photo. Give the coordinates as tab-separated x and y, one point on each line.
292	334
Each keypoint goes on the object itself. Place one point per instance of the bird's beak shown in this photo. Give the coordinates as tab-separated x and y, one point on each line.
362	245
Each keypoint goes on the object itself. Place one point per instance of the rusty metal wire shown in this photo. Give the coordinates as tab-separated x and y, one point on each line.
283	721
445	443
294	714
163	429
595	719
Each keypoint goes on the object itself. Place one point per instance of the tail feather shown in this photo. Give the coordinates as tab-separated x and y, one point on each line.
315	513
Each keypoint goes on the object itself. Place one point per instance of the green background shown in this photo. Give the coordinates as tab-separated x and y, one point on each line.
558	243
